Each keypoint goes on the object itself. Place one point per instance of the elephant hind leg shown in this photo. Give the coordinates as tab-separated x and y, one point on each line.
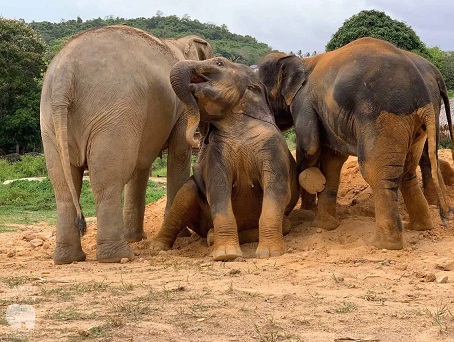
68	247
414	199
186	211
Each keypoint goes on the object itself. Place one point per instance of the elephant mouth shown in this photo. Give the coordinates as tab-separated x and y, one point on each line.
198	79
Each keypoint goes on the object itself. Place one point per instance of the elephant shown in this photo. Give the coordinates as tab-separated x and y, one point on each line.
244	176
107	106
367	99
438	92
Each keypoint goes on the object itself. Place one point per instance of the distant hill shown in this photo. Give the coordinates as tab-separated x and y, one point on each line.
238	48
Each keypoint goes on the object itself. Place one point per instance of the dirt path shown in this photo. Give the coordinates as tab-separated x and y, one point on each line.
330	286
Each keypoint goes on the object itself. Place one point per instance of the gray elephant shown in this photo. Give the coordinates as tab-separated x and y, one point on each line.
244	176
367	99
107	105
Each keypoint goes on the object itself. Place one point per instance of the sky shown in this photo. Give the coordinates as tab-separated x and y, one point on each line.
285	25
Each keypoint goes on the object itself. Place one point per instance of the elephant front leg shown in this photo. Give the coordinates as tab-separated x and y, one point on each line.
186	210
134	206
330	165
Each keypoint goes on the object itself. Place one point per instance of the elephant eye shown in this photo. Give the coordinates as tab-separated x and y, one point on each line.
220	63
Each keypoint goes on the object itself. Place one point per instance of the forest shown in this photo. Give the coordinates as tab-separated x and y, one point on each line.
27	48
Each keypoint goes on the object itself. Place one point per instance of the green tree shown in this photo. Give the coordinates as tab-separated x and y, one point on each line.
378	25
21	64
447	69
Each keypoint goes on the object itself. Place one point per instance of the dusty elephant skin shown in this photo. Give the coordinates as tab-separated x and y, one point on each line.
367	99
244	176
107	105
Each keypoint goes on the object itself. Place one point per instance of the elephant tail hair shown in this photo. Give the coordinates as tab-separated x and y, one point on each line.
430	122
60	102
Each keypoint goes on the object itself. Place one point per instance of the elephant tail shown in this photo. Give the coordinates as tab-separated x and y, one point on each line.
432	141
60	102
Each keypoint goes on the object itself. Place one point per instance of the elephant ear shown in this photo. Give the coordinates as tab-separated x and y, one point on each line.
291	76
254	103
197	49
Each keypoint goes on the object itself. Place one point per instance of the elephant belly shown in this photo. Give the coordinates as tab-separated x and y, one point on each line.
247	206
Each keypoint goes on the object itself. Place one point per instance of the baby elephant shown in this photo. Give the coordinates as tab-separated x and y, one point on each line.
244	176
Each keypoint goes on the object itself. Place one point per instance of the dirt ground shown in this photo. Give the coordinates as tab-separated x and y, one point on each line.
329	286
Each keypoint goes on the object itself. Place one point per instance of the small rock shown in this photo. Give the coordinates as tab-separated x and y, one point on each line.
429	278
46	245
319	230
137	253
162	253
290	250
36	242
124	260
442	280
28	236
10	254
84	333
445	264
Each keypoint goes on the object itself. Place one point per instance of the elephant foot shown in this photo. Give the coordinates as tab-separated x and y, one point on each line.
270	249
113	251
326	221
224	252
135	236
391	244
156	246
312	180
67	255
419	225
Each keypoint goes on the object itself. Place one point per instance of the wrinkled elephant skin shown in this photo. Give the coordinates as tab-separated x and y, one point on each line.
371	100
107	106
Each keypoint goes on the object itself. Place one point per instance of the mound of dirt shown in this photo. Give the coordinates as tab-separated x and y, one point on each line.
329	286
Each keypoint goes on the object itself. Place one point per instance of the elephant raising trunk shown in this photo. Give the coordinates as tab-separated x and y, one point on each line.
181	77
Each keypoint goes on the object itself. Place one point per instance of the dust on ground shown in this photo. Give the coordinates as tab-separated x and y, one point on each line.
329	286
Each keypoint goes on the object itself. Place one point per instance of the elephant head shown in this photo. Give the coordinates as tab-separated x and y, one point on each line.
283	76
190	48
213	89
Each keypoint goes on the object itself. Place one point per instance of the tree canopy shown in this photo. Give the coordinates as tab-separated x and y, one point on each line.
21	64
242	49
377	24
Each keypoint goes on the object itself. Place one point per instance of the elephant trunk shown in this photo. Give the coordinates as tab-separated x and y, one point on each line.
180	78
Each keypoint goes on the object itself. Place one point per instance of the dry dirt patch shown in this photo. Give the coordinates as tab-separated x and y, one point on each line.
330	286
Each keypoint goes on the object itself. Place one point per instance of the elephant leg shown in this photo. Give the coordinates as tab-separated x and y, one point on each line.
381	162
111	163
427	181
330	165
414	199
67	245
446	171
186	211
178	160
251	235
134	206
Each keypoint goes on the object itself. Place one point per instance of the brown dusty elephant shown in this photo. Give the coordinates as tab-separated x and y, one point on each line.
107	105
244	176
367	99
435	83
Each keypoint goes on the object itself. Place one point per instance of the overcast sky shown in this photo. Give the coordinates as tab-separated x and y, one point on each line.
286	25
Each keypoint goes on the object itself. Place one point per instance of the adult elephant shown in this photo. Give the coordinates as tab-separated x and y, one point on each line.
367	99
107	105
438	93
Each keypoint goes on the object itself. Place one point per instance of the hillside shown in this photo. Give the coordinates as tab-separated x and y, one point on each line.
242	49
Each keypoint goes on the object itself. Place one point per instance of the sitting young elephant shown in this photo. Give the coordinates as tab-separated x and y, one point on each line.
107	105
367	99
244	176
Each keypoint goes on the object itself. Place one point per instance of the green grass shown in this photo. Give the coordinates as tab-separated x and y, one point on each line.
28	166
450	94
26	202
